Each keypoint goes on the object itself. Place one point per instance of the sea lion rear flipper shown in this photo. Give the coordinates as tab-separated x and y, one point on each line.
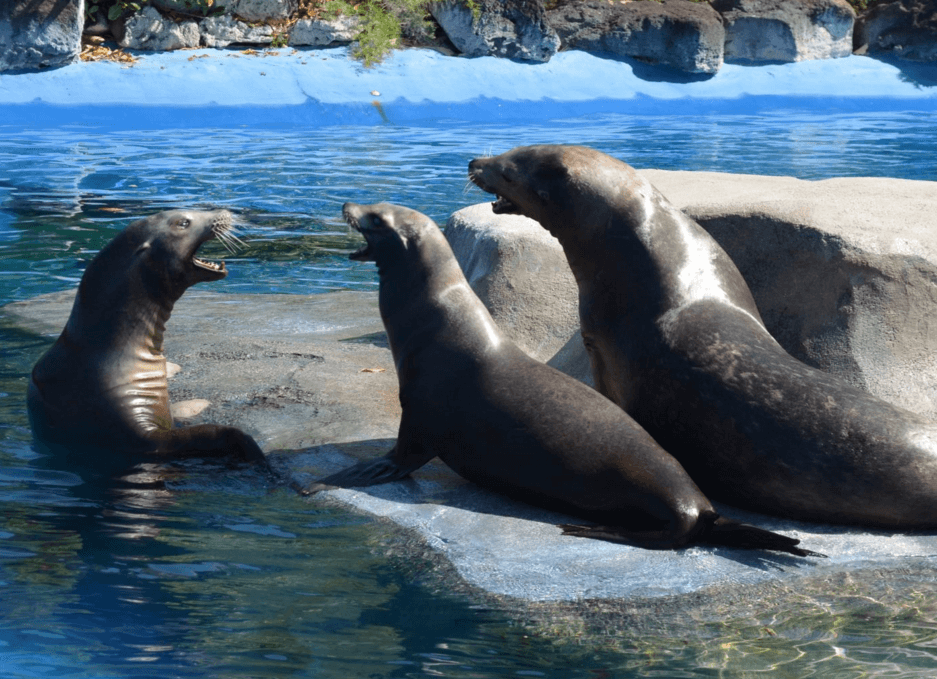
723	532
729	533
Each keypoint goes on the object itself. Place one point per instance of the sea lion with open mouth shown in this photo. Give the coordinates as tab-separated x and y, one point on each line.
510	423
675	339
102	386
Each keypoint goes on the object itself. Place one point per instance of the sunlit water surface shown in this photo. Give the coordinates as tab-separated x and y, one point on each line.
196	571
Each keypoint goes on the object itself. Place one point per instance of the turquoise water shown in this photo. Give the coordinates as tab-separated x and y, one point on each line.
196	571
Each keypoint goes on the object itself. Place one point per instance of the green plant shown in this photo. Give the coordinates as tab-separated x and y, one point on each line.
110	8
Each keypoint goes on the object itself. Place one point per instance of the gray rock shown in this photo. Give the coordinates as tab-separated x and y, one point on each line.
225	30
261	10
150	30
40	33
515	29
843	272
318	32
684	35
794	30
297	372
903	28
519	272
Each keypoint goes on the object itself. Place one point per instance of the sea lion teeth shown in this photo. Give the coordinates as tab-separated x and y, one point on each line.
675	339
506	421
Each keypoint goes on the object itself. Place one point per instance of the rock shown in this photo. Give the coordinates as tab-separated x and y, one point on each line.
225	30
795	30
40	33
149	30
844	272
318	32
903	28
519	272
261	10
515	29
291	370
684	35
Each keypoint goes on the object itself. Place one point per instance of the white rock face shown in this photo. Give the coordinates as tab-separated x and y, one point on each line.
317	32
225	30
519	272
40	34
261	10
149	30
505	28
795	30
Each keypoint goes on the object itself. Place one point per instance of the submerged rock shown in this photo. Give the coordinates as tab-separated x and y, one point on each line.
40	33
794	30
684	35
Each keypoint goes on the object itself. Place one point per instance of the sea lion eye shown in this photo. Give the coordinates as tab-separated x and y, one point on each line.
183	223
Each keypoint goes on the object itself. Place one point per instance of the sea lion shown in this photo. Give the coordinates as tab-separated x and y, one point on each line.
102	386
508	422
675	339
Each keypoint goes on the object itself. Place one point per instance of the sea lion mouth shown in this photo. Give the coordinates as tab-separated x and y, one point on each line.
501	206
222	229
364	252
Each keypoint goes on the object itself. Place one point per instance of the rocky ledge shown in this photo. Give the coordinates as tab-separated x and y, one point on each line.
694	37
843	270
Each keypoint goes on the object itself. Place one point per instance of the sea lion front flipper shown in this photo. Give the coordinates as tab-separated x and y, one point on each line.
406	456
212	440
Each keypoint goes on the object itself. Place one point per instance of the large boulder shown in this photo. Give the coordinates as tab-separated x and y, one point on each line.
515	29
844	272
150	30
684	35
40	33
520	273
903	28
794	30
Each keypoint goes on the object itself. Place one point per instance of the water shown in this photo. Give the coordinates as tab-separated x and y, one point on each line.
196	571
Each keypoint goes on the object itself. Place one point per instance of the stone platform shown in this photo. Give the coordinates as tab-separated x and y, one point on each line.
312	379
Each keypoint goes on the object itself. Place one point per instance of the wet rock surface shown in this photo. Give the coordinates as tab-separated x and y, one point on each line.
312	379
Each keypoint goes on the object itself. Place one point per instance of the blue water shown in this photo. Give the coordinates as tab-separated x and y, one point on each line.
196	571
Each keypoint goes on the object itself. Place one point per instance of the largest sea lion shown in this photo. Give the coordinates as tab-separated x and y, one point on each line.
508	422
675	339
102	387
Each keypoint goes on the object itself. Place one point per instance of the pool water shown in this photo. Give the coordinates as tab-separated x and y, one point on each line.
198	571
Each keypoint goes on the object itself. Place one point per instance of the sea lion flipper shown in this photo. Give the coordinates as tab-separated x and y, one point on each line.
212	440
729	533
723	532
392	467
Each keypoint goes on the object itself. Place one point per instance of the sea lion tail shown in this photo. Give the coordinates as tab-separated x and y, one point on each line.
728	533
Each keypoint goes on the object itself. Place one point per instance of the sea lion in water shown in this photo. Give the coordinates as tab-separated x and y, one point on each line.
508	422
675	339
102	386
